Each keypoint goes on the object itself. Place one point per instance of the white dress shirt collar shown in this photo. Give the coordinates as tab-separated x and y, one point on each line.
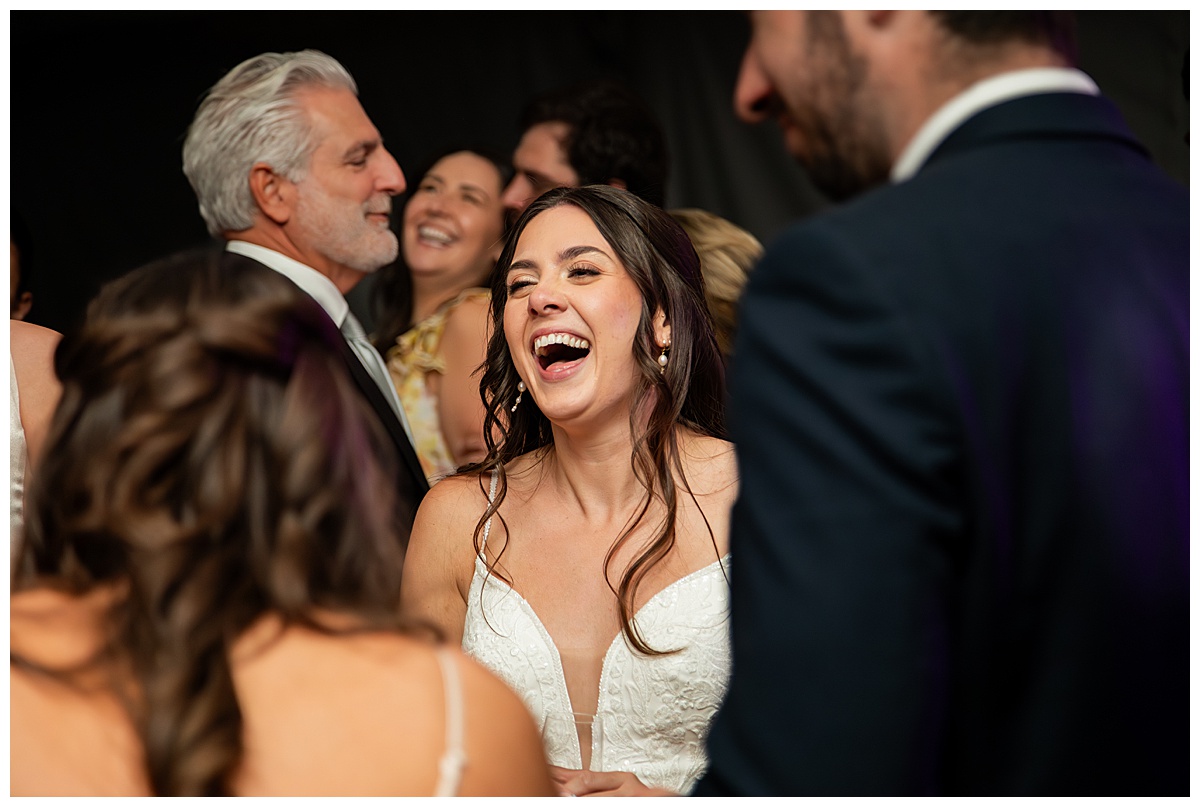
315	284
979	96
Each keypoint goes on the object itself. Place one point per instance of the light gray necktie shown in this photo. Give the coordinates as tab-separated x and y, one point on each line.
352	329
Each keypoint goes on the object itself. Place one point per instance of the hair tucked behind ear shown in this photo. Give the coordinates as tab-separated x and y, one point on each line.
689	391
212	462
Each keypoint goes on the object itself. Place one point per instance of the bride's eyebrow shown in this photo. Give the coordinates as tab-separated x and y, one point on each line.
570	253
521	264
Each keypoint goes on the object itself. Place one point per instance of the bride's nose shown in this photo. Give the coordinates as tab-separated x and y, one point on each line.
547	297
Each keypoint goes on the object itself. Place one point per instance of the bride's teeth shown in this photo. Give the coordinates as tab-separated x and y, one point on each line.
561	339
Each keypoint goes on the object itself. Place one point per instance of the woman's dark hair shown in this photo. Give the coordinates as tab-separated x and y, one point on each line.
689	392
392	296
211	461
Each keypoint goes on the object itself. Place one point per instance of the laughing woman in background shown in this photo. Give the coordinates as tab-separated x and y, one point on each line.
433	304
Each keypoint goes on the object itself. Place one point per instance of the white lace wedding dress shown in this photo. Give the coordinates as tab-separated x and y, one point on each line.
656	710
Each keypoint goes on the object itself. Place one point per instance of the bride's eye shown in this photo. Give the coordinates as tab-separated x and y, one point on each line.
582	270
516	285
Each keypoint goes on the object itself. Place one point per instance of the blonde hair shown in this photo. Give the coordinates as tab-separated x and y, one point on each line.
727	253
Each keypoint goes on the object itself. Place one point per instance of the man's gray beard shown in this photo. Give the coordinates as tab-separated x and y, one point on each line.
364	251
381	260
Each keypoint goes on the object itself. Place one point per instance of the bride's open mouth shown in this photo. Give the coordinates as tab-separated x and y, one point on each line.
556	348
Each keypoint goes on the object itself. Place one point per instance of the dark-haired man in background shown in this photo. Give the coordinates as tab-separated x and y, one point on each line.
961	410
596	132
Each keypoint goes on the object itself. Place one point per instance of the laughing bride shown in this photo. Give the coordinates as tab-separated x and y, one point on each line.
585	560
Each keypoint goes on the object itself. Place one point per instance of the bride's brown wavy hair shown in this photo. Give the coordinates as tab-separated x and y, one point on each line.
212	462
689	391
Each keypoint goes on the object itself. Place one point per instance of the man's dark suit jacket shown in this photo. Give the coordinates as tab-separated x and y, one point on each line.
961	411
411	485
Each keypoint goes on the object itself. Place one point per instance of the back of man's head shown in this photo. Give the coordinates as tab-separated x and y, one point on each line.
612	135
249	116
1053	29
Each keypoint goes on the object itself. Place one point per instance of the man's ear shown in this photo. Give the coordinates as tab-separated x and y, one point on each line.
618	183
275	195
662	329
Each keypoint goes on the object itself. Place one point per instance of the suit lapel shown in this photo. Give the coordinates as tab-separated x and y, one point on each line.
411	466
374	396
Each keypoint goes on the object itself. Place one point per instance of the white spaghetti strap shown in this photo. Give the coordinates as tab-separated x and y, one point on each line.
454	758
487	528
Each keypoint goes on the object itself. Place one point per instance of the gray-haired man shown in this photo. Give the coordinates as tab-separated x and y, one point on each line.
290	171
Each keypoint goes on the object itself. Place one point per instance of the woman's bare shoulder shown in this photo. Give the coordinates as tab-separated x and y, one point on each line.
353	656
460	495
474	304
502	745
336	714
57	629
366	714
465	496
25	338
466	328
711	464
32	350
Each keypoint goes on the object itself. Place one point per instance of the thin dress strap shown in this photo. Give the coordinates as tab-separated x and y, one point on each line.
487	528
454	758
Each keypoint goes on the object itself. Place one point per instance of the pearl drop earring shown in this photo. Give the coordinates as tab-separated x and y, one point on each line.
520	392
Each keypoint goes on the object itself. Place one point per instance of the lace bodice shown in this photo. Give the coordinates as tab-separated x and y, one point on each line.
656	710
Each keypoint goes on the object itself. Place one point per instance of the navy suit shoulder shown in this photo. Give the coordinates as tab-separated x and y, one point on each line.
960	407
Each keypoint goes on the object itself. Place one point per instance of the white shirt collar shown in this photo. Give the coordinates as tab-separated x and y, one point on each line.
315	284
979	96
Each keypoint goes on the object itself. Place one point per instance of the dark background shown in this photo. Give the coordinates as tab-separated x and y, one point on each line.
100	102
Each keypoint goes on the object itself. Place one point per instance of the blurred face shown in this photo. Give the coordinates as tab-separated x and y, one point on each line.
540	164
18	302
344	202
800	69
570	319
454	222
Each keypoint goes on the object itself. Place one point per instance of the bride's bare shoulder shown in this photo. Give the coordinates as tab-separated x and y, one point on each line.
461	495
711	464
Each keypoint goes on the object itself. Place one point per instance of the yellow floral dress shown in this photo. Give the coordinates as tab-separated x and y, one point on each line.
417	353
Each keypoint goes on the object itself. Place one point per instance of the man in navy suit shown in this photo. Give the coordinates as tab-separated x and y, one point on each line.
961	411
291	173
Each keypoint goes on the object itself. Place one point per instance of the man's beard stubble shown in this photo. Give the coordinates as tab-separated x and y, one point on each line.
847	153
